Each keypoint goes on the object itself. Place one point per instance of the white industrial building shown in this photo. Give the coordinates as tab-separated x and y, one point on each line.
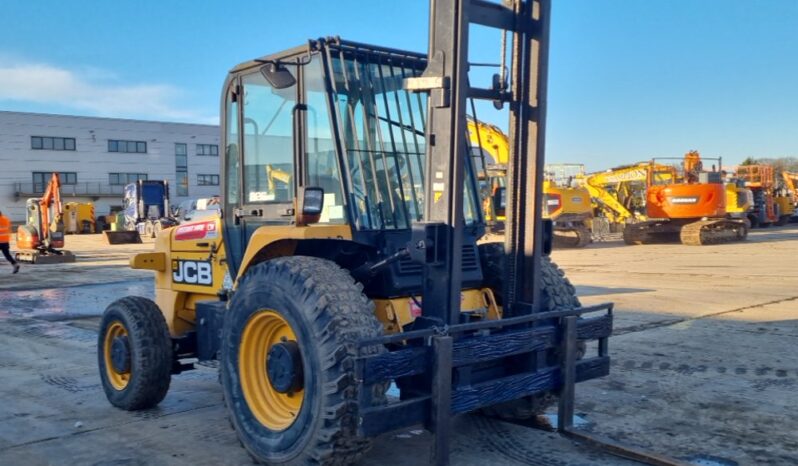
96	157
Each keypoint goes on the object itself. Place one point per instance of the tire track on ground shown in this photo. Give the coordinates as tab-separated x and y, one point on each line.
669	322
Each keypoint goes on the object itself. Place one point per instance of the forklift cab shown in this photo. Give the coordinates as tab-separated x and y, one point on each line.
333	116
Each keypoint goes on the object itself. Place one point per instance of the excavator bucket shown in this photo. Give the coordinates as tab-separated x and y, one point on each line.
122	237
35	256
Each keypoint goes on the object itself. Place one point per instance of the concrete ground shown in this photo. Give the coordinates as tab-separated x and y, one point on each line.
704	367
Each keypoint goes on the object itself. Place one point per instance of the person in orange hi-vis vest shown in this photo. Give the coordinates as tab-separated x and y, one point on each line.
5	238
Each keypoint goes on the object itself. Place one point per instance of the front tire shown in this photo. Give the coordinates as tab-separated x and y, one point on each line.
134	352
306	412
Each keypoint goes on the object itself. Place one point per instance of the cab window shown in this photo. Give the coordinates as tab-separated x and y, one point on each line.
268	142
320	159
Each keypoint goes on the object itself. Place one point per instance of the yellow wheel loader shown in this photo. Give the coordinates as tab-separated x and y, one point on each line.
361	268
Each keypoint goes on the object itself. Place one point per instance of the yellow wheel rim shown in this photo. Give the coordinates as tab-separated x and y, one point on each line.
119	380
275	410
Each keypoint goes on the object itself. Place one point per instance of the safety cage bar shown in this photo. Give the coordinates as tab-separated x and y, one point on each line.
439	352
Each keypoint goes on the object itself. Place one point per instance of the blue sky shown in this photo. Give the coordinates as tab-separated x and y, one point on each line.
629	79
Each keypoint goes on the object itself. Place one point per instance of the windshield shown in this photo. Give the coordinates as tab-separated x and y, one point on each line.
662	177
383	134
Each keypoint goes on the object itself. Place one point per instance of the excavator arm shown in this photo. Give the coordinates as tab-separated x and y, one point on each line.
51	209
276	174
604	186
491	139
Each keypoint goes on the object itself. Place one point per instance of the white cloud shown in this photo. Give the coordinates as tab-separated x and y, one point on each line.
95	91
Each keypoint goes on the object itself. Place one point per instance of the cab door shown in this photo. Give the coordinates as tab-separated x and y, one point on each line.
259	156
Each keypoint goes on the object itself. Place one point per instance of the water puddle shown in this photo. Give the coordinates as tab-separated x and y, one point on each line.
55	304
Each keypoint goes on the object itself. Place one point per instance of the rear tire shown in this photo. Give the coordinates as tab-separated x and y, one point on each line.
136	328
557	293
322	312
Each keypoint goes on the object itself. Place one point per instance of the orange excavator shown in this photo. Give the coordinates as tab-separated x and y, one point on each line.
687	205
40	240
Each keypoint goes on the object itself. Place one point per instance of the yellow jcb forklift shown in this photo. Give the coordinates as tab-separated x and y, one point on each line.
365	271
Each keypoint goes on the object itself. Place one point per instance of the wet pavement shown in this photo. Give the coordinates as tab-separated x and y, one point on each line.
704	369
72	303
58	414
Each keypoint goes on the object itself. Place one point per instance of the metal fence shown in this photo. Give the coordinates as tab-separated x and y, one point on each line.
84	189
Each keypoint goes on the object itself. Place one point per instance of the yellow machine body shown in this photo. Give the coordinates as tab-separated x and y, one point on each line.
785	205
190	265
565	201
79	217
739	200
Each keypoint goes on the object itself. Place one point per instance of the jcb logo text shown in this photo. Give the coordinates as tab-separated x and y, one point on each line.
192	272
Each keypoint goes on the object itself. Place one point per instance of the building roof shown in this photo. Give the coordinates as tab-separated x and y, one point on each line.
134	120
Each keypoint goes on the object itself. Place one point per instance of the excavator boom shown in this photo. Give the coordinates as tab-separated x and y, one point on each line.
50	203
618	192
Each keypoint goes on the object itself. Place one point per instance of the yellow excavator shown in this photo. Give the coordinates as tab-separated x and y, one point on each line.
618	194
566	205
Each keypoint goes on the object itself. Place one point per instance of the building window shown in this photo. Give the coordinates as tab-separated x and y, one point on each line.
51	143
133	147
181	156
208	180
41	179
125	178
181	168
207	149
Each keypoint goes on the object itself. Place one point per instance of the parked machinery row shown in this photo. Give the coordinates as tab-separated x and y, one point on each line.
772	203
660	201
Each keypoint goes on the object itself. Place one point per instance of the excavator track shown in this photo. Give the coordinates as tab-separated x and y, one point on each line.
713	231
572	237
651	232
694	233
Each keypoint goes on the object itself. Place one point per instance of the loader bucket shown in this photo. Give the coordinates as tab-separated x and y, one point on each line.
122	237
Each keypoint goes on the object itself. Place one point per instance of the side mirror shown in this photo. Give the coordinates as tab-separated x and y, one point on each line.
499	201
277	75
311	203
